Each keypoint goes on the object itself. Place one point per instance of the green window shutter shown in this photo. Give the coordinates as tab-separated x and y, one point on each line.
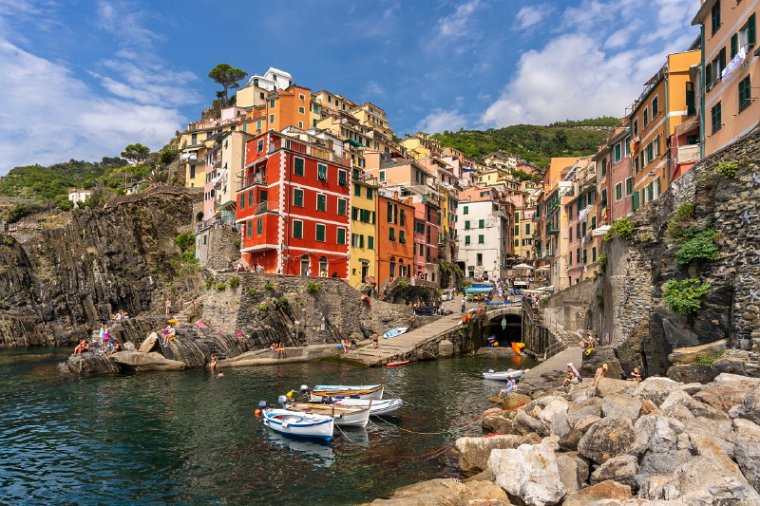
392	234
466	210
467	239
259	226
322	172
618	191
342	178
341	207
751	30
298	197
361	240
355	213
629	186
320	233
481	223
722	58
401	237
298	167
467	224
527	229
370	242
341	236
298	229
369	193
242	201
481	239
250	197
517	230
734	44
249	228
321	202
357	190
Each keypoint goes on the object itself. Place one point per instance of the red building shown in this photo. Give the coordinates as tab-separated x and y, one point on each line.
294	206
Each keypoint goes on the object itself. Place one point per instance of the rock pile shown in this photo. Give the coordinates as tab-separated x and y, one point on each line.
622	443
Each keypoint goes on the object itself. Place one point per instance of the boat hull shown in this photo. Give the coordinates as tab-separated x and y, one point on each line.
343	416
337	392
504	375
395	332
298	424
377	408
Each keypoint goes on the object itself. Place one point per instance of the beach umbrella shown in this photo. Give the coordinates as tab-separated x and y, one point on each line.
524	267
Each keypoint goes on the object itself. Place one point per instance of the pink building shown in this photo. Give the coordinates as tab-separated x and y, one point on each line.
620	176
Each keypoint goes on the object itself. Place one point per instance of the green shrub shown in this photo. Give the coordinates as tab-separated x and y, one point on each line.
603	262
697	244
185	241
252	292
622	228
234	282
220	286
403	284
269	286
680	219
262	307
683	297
188	257
709	358
727	169
282	303
64	204
209	283
313	287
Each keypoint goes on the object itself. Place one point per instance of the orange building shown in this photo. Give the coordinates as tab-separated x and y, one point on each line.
281	108
656	114
730	72
395	237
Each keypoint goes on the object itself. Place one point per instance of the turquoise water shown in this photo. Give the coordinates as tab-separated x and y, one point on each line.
188	438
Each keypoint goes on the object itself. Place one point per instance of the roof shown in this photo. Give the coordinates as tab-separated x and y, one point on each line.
703	9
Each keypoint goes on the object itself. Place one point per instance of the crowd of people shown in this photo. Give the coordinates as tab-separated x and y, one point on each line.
278	348
105	343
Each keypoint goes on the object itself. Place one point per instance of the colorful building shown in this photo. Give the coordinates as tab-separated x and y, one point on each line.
363	230
294	206
614	179
483	232
730	72
395	244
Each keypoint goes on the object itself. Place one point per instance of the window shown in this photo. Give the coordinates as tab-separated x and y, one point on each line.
479	259
593	254
627	144
321	202
635	127
271	118
691	108
517	243
604	197
301	110
298	197
370	242
392	234
402	221
242	201
571	235
715	117
481	239
322	172
481	223
271	103
517	216
635	199
422	250
527	229
342	178
298	167
355	213
320	232
248	228
517	229
745	95
297	229
260	145
466	210
618	154
342	207
646	117
401	237
715	17
357	190
341	236
300	124
192	171
259	226
370	194
382	176
618	191
628	186
655	106
466	240
250	198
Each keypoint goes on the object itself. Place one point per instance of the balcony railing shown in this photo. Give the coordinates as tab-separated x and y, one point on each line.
254	180
267	207
687	154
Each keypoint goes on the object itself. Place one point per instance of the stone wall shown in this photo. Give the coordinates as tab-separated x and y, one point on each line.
572	311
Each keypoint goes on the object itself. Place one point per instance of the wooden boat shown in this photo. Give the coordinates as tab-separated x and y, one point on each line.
344	416
376	408
299	424
397	363
395	332
515	374
374	392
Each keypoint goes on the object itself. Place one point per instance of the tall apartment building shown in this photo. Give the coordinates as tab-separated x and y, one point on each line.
395	245
483	234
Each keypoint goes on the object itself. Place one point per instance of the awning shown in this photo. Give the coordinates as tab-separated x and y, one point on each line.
598	232
478	289
523	267
355	144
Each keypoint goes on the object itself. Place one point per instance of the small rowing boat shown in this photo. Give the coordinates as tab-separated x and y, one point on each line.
374	392
344	416
515	374
296	423
376	408
397	363
395	332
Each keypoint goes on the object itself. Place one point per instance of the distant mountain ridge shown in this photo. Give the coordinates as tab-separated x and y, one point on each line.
535	143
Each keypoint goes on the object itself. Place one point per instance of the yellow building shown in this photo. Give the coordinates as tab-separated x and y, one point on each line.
656	114
362	270
373	117
421	145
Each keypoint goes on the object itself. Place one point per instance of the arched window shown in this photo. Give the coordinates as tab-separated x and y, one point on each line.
305	265
393	267
323	267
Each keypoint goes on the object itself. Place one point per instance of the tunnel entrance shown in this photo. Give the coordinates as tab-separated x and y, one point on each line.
506	330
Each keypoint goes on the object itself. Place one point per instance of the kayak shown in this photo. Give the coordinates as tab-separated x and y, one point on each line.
397	363
345	416
374	392
376	408
395	332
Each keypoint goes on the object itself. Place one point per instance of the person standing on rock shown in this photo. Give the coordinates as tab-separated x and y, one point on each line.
376	340
600	373
168	307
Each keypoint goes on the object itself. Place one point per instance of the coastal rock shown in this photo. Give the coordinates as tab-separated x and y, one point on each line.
529	472
445	348
747	456
514	401
695	407
89	363
607	438
608	386
556	406
744	430
658	434
141	362
584	423
525	424
573	471
578	411
599	494
656	389
663	463
500	423
602	356
689	373
690	354
446	492
750	407
621	469
149	343
623	406
474	451
569	442
726	391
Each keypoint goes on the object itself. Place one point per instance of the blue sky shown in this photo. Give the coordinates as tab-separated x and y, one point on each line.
84	78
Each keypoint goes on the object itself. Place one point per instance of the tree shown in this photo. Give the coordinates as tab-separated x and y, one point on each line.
228	77
136	153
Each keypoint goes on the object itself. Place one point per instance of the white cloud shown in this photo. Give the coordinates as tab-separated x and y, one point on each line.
440	120
456	25
375	89
531	15
596	64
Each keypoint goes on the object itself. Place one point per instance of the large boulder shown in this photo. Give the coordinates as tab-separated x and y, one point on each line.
747	456
663	463
602	356
141	362
726	391
750	407
149	343
624	406
445	348
498	423
474	451
607	438
691	373
525	424
514	401
608	386
656	389
695	407
573	471
657	434
579	410
446	492
622	469
606	492
691	354
529	472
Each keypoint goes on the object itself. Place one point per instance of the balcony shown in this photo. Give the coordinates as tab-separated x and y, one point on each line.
552	229
267	207
687	154
254	180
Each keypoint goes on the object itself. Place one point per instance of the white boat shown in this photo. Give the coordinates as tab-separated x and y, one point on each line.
337	392
395	332
296	423
376	408
515	374
344	416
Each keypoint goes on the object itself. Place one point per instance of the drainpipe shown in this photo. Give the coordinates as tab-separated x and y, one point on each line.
702	84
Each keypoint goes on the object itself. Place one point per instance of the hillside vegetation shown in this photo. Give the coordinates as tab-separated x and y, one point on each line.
536	143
